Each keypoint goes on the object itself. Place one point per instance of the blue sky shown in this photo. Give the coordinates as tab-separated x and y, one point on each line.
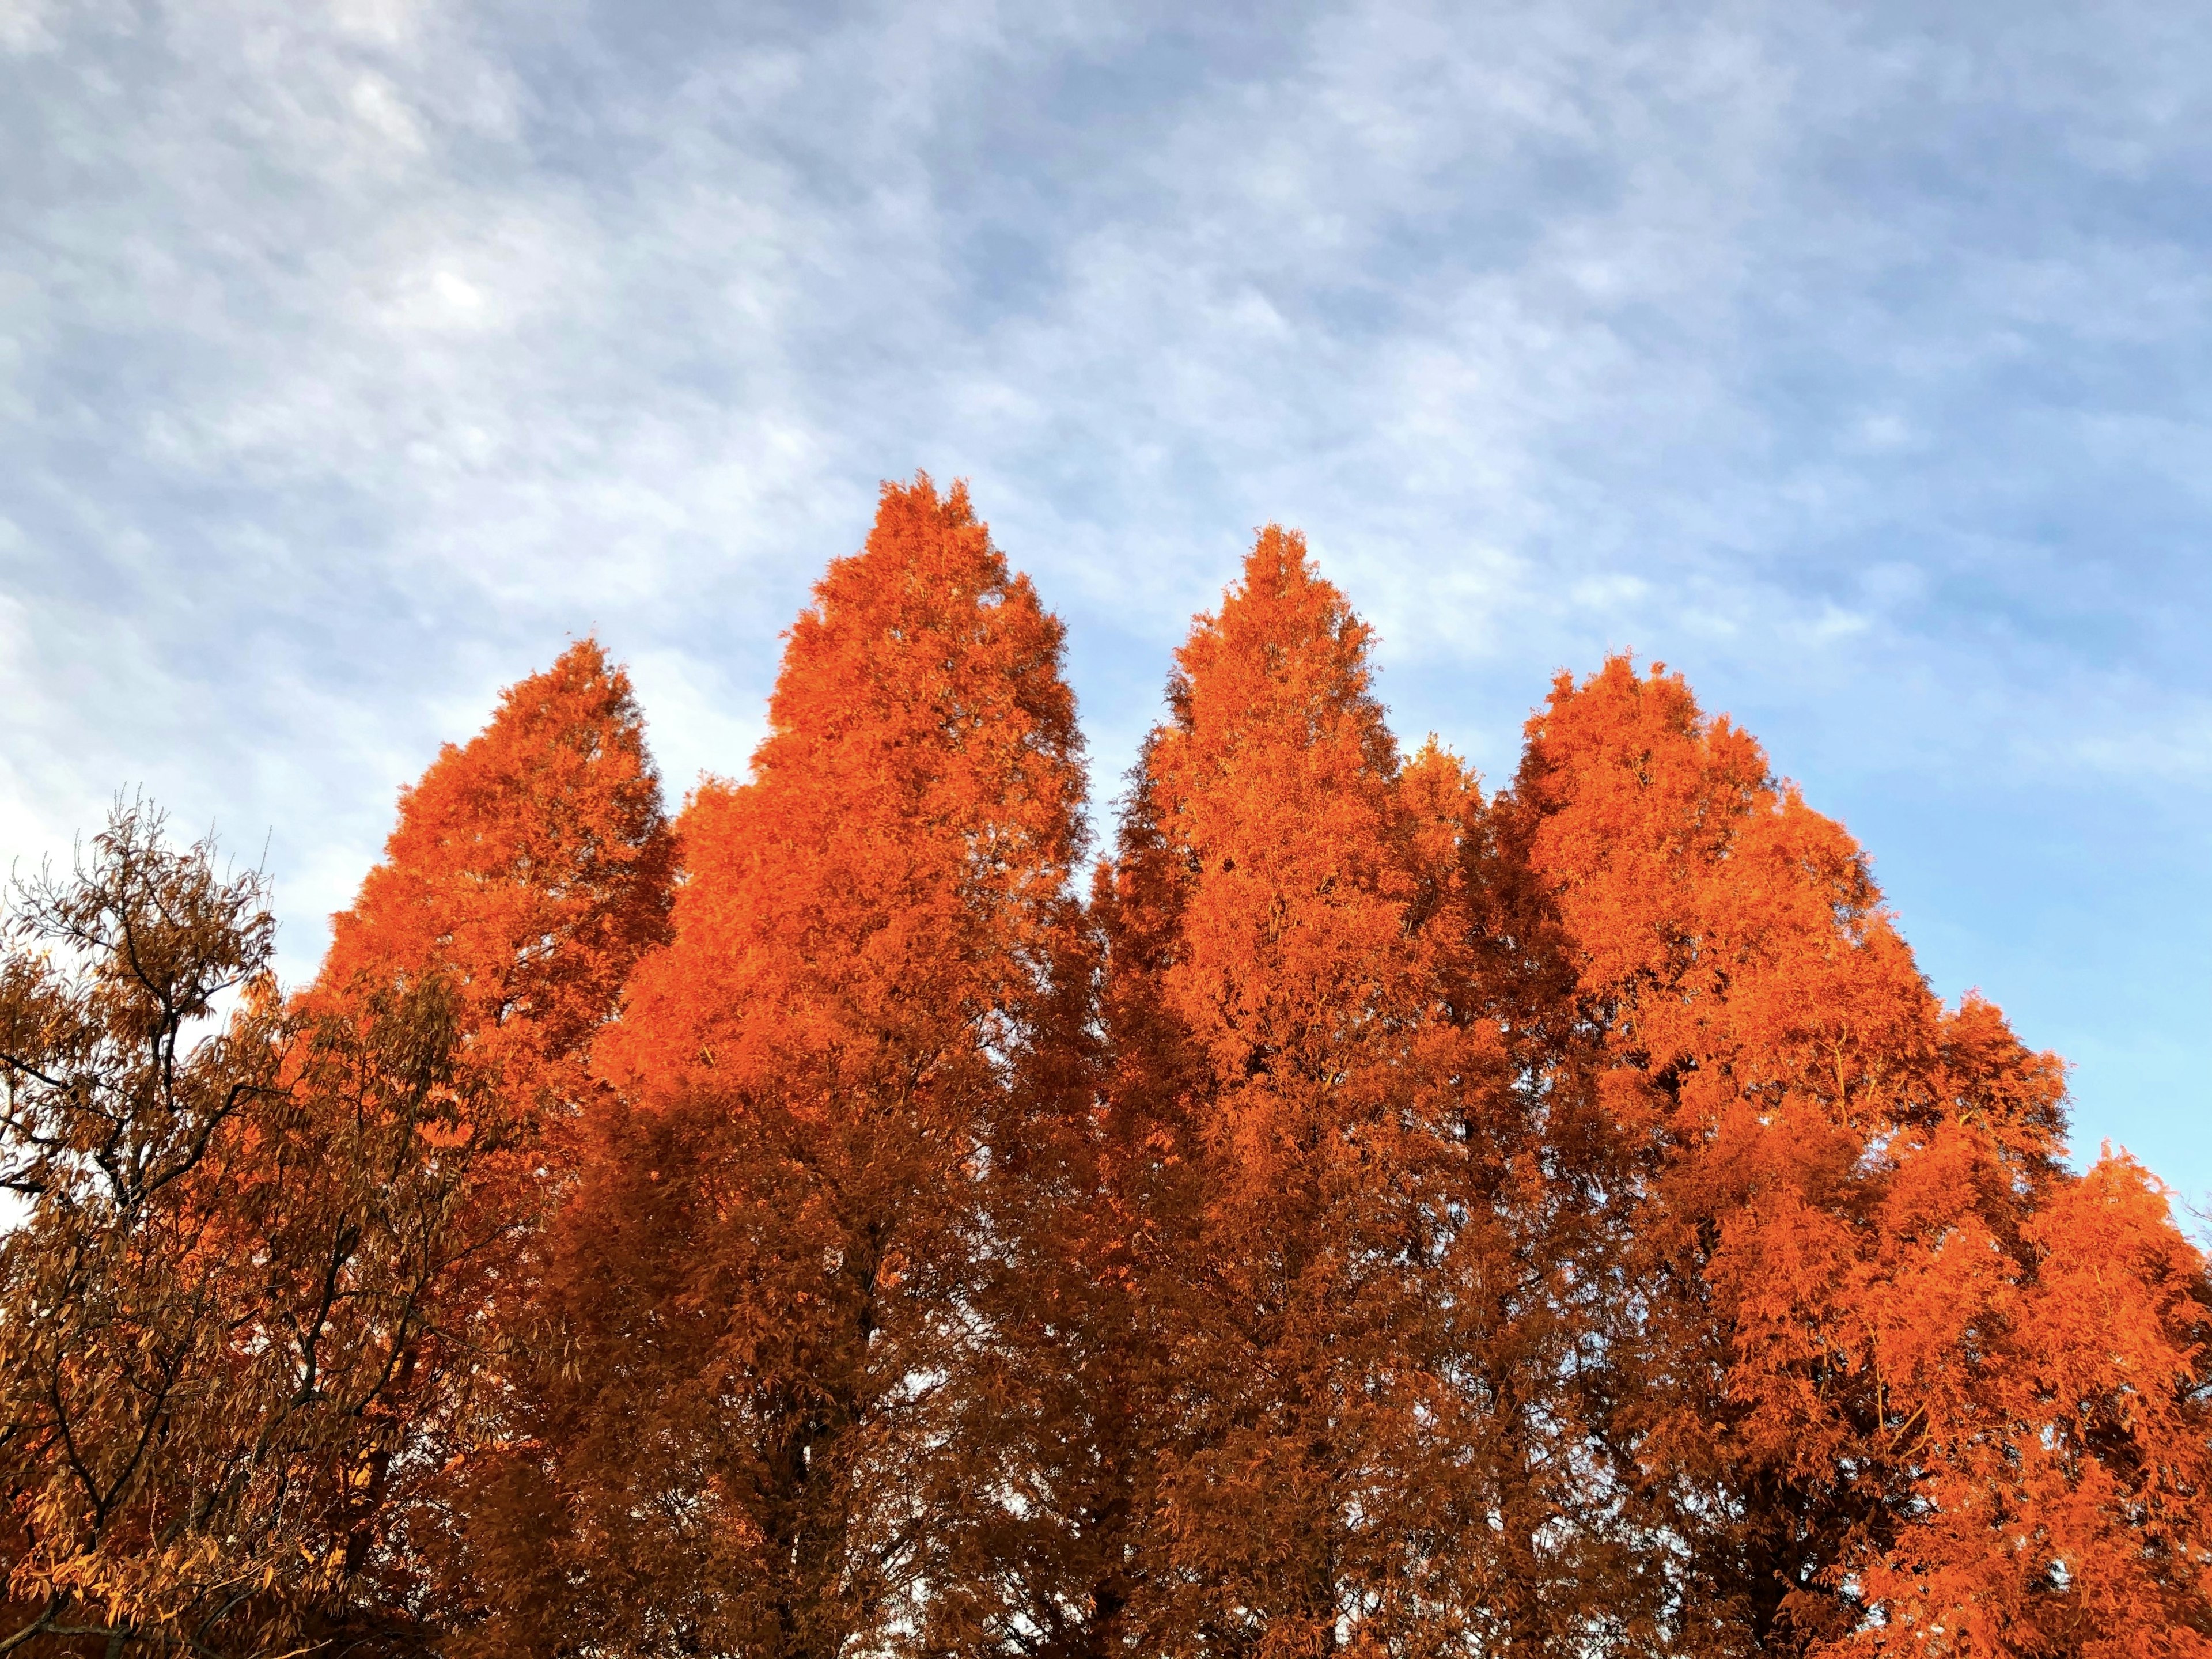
1854	360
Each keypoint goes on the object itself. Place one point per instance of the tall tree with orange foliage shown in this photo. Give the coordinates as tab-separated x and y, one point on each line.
762	1302
1833	1395
1349	1266
530	868
1257	930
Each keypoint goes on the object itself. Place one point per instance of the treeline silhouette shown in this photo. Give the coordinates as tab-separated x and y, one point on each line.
1381	1217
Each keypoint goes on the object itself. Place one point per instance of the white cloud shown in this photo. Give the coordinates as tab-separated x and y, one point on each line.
23	28
385	113
388	23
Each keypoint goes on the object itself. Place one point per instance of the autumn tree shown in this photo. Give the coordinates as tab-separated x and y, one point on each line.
762	1306
529	869
1267	804
1348	1257
238	1221
1845	1210
1753	1004
1532	1549
2054	1400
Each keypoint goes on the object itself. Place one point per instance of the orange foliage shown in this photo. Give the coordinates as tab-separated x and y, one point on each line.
1360	1293
2056	1395
1267	824
529	869
1382	1220
532	866
764	1286
1848	1193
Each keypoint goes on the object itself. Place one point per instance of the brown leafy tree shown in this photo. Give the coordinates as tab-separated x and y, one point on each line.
236	1227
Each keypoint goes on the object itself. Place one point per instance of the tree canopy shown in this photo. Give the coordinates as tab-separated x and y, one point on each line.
1364	1212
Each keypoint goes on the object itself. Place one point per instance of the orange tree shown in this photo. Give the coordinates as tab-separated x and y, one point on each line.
762	1314
1357	1323
1853	1238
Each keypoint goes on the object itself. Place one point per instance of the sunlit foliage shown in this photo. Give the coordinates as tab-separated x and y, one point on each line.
1362	1214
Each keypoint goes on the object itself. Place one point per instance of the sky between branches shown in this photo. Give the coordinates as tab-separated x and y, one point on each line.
353	358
